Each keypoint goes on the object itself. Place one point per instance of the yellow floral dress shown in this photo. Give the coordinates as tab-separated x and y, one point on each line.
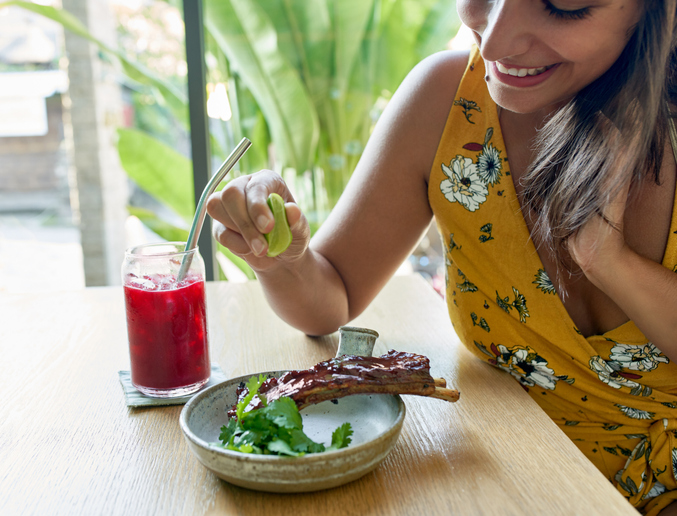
614	395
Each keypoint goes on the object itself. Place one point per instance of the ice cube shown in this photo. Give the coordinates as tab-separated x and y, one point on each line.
143	283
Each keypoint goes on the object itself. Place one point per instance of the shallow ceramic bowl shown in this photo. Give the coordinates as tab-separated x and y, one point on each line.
376	421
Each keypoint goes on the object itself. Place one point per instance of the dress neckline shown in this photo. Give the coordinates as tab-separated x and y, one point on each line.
512	196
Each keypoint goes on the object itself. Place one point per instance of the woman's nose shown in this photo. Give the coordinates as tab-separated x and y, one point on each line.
508	30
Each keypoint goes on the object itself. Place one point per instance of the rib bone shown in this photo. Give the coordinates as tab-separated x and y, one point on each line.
395	372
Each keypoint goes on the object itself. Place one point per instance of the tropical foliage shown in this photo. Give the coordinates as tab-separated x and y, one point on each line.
306	81
320	71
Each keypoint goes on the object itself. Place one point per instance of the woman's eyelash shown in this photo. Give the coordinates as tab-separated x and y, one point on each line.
577	14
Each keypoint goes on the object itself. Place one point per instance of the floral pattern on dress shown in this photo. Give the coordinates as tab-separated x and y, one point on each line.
637	357
465	285
452	243
467	181
544	283
527	366
463	184
609	372
467	106
629	485
489	164
656	489
486	229
480	321
634	413
519	304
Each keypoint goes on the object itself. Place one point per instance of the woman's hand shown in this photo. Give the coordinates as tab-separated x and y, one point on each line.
242	216
599	243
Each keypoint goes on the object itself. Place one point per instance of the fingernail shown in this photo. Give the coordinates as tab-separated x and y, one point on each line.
262	222
257	246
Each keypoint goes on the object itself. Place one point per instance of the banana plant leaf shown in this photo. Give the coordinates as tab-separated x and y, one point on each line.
247	36
158	170
162	228
237	261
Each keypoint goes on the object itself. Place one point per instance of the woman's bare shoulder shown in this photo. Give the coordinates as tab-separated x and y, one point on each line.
416	115
446	66
418	111
433	83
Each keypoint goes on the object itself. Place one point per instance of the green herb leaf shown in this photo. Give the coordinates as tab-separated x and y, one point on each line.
300	442
245	448
282	448
341	437
284	413
259	422
275	428
253	385
229	431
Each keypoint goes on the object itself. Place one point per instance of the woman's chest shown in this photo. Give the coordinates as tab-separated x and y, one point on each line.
646	227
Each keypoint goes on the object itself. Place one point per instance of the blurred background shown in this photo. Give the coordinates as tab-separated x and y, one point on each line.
95	147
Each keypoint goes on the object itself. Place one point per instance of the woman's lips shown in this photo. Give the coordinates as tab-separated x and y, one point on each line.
522	77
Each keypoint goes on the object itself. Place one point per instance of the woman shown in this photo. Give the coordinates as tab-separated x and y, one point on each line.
561	261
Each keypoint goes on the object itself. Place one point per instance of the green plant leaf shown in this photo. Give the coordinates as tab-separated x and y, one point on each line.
229	431
159	170
440	26
247	36
284	413
162	228
252	385
300	442
237	261
351	21
248	120
282	448
341	437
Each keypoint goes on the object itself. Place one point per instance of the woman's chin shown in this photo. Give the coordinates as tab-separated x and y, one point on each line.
524	104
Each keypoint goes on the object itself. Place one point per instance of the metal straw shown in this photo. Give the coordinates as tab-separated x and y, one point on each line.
201	210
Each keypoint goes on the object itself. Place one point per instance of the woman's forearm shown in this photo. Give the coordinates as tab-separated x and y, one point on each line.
307	293
647	293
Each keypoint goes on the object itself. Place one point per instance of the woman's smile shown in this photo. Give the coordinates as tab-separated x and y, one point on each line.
525	44
521	77
521	72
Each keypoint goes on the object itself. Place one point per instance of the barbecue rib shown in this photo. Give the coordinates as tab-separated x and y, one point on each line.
395	372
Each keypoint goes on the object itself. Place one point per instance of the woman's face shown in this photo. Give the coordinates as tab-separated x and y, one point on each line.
540	53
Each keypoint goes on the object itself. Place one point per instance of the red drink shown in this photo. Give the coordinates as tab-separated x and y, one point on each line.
167	327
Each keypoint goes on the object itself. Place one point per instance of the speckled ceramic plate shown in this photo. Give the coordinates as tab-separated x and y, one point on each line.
376	421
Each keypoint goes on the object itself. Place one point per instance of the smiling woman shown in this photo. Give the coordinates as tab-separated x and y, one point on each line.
546	160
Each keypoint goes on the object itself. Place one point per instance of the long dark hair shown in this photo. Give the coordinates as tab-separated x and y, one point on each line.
619	120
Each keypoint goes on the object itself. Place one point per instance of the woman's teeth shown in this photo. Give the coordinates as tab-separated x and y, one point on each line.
521	72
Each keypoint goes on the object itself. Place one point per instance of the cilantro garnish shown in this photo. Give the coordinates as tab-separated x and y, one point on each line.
275	428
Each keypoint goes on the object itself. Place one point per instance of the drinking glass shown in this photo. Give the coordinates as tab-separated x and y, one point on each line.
166	319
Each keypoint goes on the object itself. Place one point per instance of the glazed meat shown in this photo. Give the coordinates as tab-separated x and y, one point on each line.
396	372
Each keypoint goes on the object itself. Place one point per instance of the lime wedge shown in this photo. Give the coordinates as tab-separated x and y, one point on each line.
280	236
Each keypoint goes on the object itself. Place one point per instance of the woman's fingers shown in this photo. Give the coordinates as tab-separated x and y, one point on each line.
242	217
300	231
236	206
257	192
217	209
294	214
231	239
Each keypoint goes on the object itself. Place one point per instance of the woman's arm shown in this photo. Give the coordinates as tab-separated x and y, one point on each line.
645	290
376	223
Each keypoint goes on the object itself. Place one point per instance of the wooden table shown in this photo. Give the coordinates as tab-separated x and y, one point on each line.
69	445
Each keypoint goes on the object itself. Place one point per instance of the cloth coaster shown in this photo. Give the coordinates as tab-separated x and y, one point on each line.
134	398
